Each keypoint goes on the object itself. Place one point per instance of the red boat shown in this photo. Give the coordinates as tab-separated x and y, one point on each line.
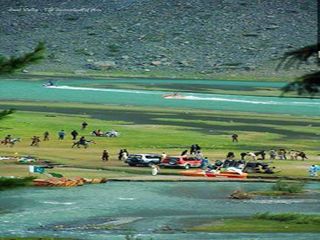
225	174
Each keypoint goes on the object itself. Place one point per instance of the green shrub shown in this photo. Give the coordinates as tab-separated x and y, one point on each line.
289	217
289	187
6	183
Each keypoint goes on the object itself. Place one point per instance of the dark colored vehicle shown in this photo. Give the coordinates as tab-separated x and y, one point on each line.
143	159
181	161
257	167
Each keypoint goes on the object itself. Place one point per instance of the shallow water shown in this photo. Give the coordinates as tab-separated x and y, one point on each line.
111	92
158	210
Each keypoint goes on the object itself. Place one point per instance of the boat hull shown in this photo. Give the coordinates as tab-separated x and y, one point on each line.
228	174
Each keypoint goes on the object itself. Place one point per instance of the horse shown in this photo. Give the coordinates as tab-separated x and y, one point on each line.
11	142
294	155
260	153
85	144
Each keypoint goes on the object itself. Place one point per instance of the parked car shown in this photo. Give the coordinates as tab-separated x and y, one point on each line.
181	161
143	159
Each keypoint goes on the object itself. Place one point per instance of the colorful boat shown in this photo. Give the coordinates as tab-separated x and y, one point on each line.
194	173
227	174
217	174
66	182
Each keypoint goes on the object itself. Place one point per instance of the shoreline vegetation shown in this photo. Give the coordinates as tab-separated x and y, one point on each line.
264	223
281	187
113	74
14	182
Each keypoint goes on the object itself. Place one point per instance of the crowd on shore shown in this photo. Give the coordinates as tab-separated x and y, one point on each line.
195	150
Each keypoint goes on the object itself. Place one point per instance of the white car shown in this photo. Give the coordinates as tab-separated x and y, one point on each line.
143	159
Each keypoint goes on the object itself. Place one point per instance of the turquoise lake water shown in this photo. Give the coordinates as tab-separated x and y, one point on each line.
110	92
145	210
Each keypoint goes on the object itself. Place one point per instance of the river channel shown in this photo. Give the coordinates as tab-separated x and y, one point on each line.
145	210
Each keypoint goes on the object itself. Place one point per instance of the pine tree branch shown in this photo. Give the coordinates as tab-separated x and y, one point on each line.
14	63
307	84
5	113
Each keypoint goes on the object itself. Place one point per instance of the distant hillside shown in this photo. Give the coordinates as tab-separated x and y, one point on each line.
158	35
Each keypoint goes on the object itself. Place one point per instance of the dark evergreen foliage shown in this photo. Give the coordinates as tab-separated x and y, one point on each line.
307	84
5	113
9	65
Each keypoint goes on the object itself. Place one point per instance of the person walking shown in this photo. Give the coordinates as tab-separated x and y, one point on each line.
120	154
74	134
105	155
35	141
46	136
61	134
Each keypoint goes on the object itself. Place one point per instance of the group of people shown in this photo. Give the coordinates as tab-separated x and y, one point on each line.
281	154
123	154
195	150
35	140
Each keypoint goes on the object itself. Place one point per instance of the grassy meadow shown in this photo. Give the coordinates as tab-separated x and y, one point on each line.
150	130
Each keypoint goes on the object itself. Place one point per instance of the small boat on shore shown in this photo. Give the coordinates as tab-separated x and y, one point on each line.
66	182
217	174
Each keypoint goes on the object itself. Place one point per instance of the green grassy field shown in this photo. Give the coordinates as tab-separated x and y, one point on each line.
155	130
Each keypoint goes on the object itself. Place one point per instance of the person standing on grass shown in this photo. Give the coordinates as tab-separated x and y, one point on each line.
155	169
84	125
61	134
272	154
234	137
74	134
120	154
105	155
124	155
46	136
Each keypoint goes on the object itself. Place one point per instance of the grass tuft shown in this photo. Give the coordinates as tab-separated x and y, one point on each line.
289	217
288	187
